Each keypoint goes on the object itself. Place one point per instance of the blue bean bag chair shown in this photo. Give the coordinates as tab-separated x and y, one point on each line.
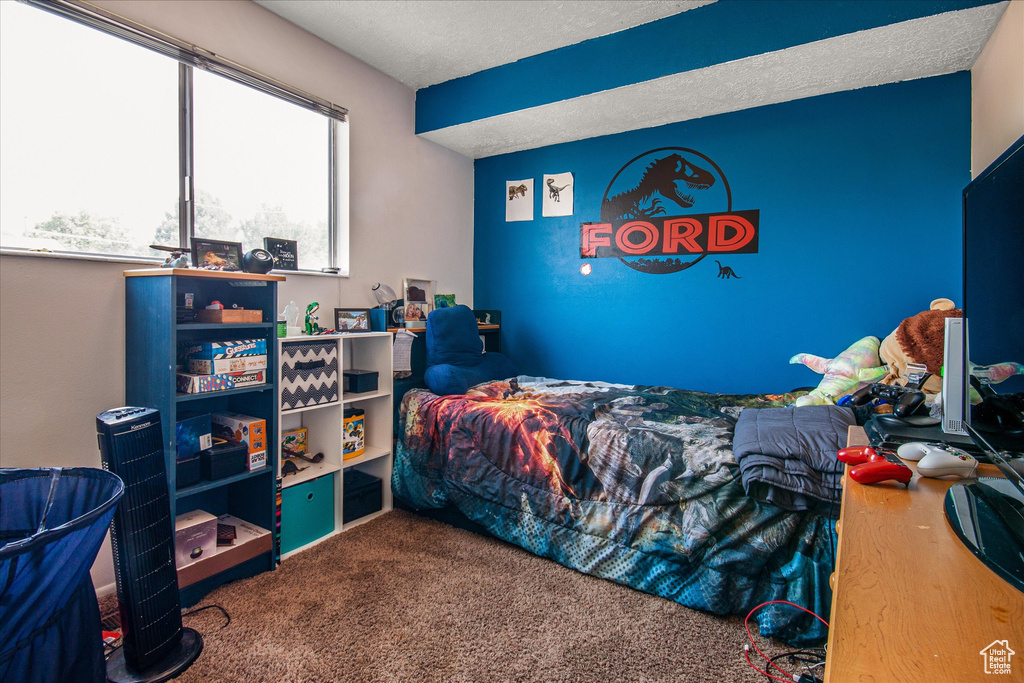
455	354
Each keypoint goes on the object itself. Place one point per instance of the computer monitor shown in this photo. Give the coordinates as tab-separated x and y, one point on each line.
993	297
987	513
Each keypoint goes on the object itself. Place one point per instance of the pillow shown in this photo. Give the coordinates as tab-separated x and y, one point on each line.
447	379
455	356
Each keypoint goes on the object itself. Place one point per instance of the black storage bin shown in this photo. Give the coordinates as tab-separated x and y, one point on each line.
223	460
188	471
362	495
359	381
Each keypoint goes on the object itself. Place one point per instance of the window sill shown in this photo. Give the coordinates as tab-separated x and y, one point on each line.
133	260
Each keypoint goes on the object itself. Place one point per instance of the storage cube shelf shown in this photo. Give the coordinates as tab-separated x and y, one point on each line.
152	337
304	523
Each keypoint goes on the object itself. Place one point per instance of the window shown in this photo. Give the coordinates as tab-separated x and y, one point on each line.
88	137
93	151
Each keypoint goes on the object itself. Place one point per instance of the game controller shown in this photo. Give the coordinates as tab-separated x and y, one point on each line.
855	455
881	470
939	460
906	400
870	466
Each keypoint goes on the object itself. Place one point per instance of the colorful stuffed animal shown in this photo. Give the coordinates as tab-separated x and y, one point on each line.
918	339
921	339
855	367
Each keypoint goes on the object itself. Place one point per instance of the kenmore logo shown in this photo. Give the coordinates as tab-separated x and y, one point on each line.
141	426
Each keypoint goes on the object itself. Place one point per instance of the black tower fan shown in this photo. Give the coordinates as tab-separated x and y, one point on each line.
156	645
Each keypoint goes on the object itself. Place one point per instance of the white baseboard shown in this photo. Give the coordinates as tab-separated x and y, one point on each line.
106	590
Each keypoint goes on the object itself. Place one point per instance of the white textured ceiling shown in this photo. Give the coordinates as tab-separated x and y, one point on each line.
425	42
919	48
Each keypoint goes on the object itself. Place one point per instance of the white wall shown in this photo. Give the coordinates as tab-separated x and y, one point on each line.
997	90
62	321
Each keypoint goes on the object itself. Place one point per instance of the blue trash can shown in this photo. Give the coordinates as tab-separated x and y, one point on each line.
52	523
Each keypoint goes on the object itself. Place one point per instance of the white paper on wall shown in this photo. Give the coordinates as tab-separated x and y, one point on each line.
519	200
557	194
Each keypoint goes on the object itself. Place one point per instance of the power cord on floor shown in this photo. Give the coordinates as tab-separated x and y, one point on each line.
810	658
197	610
112	640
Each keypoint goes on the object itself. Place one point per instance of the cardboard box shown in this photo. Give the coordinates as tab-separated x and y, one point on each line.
195	537
251	431
296	441
223	366
192	434
189	383
250	541
257	461
225	349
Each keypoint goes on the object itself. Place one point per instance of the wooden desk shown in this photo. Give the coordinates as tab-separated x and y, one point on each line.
490	333
910	602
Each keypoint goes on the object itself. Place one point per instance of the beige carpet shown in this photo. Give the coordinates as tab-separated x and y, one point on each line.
403	598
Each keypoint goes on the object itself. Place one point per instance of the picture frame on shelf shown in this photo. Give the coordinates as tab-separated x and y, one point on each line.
285	252
419	301
352	320
418	291
210	254
444	300
416	314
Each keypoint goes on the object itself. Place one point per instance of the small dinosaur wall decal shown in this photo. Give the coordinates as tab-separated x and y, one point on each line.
726	272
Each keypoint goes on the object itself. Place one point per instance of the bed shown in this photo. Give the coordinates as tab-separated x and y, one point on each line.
635	484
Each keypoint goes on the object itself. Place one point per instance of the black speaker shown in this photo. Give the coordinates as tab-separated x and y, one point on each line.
156	646
257	261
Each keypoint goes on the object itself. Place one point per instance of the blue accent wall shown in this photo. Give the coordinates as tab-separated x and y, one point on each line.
860	226
723	31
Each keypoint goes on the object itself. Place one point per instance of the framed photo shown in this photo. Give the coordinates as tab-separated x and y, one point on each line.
285	252
415	313
216	255
352	319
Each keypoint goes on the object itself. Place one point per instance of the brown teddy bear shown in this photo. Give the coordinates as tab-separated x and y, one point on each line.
918	339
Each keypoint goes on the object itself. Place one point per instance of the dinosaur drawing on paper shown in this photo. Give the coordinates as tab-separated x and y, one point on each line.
516	191
553	191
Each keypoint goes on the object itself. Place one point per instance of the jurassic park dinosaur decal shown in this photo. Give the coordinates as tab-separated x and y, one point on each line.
667	209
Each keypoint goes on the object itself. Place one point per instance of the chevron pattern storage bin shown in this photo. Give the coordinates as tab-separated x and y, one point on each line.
309	374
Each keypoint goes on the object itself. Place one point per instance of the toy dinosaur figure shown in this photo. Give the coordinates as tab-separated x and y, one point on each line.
312	319
661	177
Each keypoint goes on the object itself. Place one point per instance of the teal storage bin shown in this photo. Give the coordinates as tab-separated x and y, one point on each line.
307	512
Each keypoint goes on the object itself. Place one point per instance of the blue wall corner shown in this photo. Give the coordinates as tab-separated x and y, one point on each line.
860	226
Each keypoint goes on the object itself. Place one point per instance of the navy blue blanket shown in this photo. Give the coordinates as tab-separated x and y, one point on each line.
787	456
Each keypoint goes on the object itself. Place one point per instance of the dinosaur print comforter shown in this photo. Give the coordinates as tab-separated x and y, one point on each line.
634	484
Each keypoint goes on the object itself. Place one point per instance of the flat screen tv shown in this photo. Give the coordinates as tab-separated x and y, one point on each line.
987	513
993	297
